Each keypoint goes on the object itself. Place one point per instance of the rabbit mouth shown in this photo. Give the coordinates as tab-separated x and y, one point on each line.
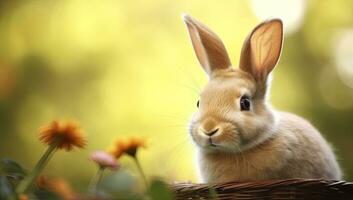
211	143
226	139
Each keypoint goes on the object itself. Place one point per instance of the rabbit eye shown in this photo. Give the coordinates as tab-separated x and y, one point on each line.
198	103
244	103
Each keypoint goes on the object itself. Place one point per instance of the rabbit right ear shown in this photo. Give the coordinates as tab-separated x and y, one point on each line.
262	49
208	47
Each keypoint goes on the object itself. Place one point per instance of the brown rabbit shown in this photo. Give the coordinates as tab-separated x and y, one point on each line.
238	135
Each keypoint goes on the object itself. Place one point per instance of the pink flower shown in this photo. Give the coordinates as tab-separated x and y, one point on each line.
104	159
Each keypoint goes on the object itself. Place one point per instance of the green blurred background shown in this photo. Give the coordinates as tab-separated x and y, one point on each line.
126	68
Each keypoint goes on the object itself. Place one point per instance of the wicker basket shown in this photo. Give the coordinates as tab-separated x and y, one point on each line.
267	189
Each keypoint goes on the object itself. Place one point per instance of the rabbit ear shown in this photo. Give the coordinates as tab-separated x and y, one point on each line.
208	47
262	49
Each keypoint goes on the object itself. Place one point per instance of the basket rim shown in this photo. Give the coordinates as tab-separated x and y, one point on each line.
290	187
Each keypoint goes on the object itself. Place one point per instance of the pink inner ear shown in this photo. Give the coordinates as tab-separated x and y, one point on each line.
266	47
262	49
197	44
215	50
208	47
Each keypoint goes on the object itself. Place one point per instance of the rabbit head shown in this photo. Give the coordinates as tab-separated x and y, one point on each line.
233	114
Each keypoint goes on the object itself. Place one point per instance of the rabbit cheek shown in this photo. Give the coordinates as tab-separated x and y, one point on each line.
229	138
249	129
254	128
198	139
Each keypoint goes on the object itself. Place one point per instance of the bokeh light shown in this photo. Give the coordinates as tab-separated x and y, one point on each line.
290	11
127	68
343	54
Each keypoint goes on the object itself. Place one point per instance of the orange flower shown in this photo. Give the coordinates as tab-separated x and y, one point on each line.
129	147
67	135
23	197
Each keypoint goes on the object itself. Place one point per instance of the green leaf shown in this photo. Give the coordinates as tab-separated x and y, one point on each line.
12	169
213	193
159	191
117	185
45	194
6	190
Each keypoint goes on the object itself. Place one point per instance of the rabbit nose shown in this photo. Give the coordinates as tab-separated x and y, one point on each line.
210	133
209	127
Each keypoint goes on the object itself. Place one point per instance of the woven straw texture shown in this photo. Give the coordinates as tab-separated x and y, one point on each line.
267	189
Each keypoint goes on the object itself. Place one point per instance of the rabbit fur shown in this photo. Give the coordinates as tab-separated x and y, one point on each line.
259	142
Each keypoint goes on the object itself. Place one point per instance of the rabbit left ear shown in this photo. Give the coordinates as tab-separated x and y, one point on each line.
208	47
262	49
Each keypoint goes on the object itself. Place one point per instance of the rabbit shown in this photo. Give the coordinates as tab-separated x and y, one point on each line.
237	134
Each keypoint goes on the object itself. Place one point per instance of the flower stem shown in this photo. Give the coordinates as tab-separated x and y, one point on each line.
141	171
93	188
27	182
